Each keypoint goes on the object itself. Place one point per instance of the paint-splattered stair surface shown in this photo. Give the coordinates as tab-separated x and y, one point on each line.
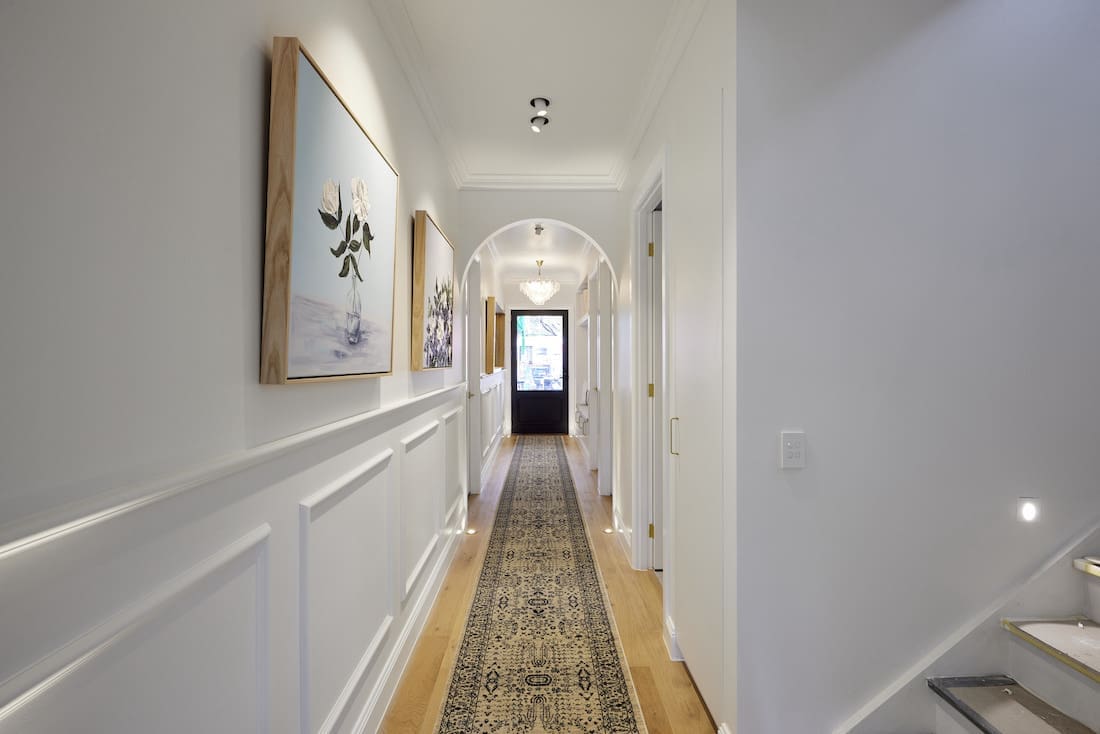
1075	641
999	705
1088	564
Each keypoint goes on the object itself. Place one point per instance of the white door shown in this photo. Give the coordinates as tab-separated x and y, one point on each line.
475	313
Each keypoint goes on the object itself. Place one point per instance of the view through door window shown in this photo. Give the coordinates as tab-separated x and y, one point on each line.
539	363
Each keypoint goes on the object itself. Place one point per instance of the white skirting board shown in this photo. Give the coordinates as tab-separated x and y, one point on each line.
490	458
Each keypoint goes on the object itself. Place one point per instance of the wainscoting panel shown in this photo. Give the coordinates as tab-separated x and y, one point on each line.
191	656
346	558
278	589
454	481
421	500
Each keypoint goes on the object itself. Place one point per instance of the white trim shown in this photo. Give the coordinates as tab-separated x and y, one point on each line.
53	670
410	442
916	670
418	569
671	643
73	517
725	728
308	508
490	458
370	717
355	681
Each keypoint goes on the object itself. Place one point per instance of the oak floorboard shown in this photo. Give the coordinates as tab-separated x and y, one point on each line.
669	700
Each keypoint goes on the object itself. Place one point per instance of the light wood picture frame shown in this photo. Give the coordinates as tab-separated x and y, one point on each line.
433	296
331	250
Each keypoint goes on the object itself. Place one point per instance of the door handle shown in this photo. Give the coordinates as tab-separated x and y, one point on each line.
674	453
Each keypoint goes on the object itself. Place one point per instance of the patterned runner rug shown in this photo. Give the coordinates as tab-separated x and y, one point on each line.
540	652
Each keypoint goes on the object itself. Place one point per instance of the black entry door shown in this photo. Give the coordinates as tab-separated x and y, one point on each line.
540	372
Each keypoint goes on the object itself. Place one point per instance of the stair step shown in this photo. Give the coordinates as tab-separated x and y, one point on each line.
997	704
1088	564
1074	641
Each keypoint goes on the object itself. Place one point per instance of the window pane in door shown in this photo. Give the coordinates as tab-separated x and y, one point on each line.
539	362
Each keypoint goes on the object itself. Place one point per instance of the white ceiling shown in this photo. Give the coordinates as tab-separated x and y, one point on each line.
569	256
474	66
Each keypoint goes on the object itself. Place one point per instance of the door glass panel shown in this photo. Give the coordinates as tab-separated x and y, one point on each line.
539	362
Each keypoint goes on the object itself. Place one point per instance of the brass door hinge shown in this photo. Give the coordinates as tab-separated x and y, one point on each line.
651	389
651	249
651	530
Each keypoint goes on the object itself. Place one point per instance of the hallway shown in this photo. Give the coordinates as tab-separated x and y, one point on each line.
667	696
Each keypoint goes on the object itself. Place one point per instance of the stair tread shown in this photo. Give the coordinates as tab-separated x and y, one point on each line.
1075	641
1088	564
997	704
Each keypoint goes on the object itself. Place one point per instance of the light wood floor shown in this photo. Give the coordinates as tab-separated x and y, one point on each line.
669	700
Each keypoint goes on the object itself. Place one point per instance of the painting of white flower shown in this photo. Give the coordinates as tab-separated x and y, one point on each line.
342	259
360	202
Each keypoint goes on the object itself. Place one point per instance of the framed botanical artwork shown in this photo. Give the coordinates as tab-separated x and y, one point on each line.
433	296
330	256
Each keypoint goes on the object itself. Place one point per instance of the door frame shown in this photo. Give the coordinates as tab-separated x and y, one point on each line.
514	317
651	422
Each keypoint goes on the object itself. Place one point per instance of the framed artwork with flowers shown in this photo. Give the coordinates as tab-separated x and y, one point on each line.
433	296
330	254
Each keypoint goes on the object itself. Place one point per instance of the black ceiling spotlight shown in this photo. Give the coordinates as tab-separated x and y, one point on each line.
542	114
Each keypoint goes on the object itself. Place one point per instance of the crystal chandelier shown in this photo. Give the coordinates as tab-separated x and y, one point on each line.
539	290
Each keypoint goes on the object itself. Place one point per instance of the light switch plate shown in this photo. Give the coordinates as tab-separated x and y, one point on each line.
792	450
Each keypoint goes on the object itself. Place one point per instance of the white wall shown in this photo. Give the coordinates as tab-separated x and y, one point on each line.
687	132
132	138
916	243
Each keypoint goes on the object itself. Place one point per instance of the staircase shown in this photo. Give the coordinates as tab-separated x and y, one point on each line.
1055	683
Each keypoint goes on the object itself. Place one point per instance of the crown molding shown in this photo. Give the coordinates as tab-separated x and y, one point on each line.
684	17
682	21
540	182
393	16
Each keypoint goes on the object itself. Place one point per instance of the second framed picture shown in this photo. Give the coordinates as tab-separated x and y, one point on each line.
433	296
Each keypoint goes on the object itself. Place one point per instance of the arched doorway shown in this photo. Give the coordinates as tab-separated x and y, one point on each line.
490	284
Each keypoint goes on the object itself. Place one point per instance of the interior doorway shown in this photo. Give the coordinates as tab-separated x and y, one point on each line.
655	367
540	371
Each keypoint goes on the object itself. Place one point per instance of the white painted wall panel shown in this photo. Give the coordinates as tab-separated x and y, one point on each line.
189	657
421	500
346	587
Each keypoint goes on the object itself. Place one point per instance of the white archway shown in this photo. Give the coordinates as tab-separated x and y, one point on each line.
597	443
530	222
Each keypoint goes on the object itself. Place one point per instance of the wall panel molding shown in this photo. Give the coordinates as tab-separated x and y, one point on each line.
311	509
80	656
43	528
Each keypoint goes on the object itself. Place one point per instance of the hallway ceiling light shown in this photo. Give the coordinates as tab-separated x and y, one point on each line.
541	119
539	290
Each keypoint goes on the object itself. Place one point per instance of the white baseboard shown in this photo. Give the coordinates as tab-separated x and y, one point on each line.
725	728
671	644
379	699
581	441
489	458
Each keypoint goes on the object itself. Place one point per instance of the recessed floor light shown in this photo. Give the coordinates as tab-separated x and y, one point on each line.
471	531
609	531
